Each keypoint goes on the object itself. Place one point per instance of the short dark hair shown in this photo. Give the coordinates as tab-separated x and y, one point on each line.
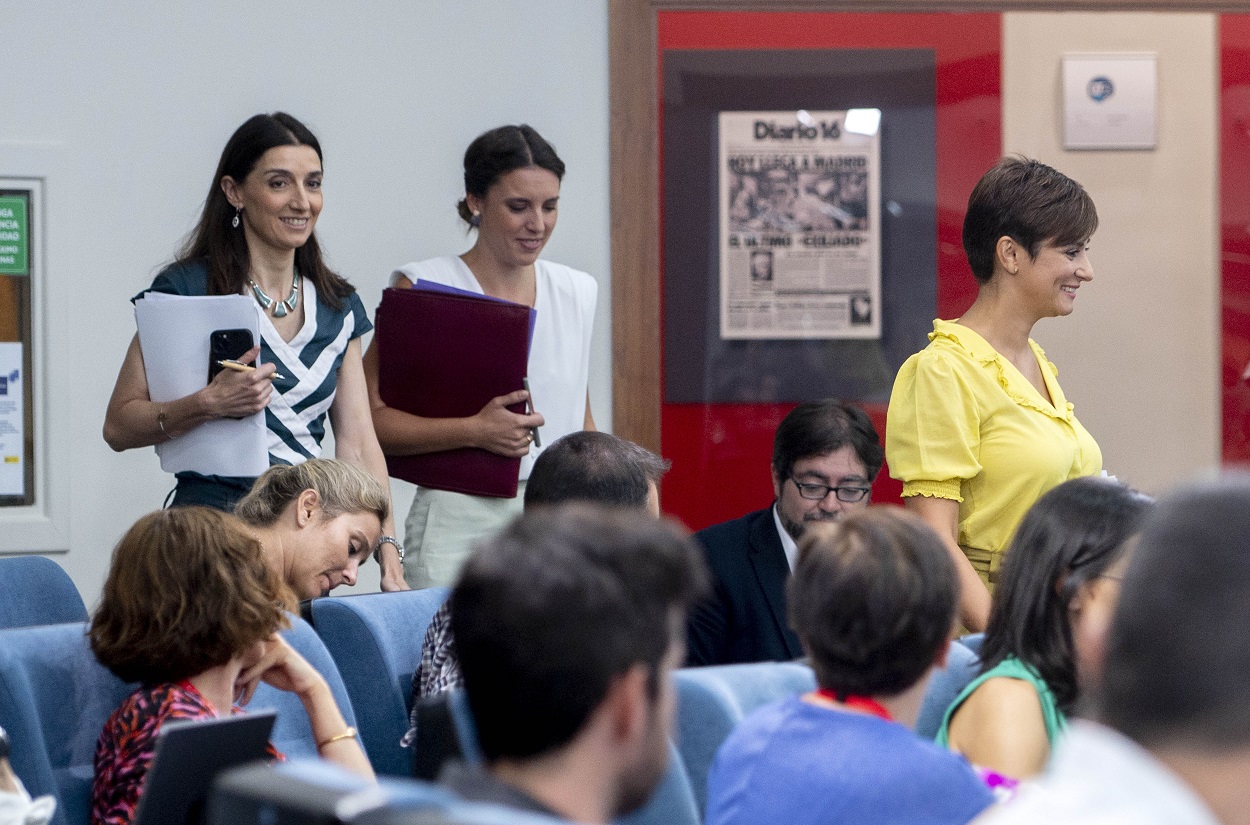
1072	535
494	154
224	248
873	599
548	612
595	467
1177	669
820	427
188	589
1029	202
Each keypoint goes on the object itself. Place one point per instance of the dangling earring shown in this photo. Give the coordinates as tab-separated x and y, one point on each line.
476	220
238	210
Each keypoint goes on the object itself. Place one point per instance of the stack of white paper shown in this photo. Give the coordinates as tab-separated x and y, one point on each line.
174	335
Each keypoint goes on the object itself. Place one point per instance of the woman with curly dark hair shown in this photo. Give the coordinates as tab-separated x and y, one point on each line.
200	638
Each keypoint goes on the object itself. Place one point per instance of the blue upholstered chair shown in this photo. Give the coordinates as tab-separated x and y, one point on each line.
376	641
961	668
712	700
55	698
307	790
34	591
973	642
673	802
292	733
317	792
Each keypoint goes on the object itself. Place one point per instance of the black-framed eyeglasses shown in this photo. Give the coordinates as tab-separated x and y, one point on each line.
817	492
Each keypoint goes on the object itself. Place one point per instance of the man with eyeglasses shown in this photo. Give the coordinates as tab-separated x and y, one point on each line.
825	457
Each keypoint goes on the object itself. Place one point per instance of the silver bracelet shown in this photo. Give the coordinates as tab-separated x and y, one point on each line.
388	540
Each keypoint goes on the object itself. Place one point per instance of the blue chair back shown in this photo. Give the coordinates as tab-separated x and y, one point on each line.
376	641
672	802
973	642
317	792
292	733
310	791
712	700
54	700
962	666
35	591
465	725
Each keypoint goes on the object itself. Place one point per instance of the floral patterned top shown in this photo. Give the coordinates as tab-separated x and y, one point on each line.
124	750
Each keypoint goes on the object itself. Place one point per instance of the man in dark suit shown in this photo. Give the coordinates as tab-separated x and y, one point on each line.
825	457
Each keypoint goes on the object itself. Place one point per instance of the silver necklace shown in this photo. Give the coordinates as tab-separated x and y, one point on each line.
280	308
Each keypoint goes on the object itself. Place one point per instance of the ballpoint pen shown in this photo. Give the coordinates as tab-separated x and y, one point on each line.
529	404
237	367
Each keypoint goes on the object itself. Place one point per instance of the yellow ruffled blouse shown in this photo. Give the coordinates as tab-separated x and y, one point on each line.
964	424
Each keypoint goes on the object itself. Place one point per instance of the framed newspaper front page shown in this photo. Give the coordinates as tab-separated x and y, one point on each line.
799	222
712	403
800	239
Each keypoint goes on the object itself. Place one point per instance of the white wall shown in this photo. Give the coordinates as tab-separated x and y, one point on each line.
1140	355
138	100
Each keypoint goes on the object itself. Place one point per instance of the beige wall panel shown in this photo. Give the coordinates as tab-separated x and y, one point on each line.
1140	355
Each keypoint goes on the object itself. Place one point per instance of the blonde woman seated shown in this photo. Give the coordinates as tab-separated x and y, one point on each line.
1065	561
317	521
191	610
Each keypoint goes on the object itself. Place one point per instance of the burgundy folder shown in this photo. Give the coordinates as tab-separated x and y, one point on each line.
444	355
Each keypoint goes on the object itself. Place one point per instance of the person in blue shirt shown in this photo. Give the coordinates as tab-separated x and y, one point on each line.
873	601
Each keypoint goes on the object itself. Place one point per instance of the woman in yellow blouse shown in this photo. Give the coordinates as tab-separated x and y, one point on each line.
978	426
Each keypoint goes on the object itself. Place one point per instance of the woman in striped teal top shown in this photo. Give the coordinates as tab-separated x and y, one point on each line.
256	238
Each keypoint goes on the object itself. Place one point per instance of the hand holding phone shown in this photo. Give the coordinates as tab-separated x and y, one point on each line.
226	345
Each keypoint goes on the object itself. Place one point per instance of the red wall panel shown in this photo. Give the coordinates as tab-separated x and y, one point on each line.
721	452
1235	233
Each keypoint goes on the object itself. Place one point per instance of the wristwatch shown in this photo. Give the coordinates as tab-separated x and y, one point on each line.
388	540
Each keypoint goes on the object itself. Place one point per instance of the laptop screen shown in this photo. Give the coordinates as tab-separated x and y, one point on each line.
189	754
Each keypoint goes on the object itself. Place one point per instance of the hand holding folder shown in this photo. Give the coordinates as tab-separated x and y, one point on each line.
174	338
446	355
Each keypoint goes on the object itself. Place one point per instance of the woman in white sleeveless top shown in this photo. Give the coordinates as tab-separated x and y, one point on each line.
512	188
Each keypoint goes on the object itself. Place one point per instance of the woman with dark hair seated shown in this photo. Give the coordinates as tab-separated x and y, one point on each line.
1066	559
191	610
873	600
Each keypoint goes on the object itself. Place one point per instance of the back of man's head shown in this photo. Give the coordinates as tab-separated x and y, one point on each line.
595	467
873	599
821	427
560	603
1177	669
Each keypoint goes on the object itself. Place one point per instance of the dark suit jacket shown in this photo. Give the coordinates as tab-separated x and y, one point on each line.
744	620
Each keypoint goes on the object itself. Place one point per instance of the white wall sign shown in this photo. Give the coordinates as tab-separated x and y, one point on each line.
44	525
1109	101
12	426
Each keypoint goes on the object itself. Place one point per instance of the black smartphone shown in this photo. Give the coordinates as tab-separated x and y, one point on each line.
227	345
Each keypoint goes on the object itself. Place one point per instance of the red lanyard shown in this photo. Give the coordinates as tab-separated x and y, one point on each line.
867	705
